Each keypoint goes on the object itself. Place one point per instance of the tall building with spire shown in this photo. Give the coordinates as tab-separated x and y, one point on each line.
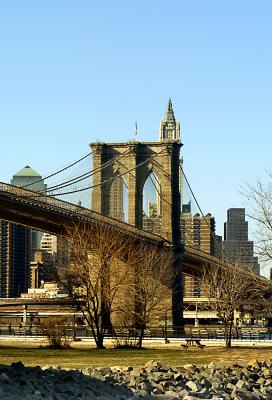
17	243
169	127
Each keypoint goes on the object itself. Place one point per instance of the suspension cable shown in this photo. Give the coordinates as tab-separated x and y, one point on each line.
86	174
159	193
110	179
59	171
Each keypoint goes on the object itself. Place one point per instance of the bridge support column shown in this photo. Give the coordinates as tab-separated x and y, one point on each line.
175	215
135	161
177	296
97	177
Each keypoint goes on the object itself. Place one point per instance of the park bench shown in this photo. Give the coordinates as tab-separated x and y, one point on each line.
194	342
16	330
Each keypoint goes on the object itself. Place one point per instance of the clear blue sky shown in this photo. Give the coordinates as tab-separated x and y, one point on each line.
72	72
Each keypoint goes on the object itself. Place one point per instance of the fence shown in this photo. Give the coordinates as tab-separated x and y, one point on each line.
246	333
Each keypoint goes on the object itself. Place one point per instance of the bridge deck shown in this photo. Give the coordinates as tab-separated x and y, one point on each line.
18	205
48	214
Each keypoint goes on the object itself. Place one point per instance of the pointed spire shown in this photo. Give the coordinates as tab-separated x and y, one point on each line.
169	115
169	127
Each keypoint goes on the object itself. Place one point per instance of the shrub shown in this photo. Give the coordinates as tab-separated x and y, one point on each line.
57	332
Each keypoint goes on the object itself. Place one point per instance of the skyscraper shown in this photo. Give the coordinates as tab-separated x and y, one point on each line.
116	199
31	180
198	231
14	259
236	246
17	243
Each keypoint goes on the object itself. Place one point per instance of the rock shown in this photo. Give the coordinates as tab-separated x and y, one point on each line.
204	382
253	363
155	381
152	364
193	386
191	368
266	372
268	382
146	386
241	384
4	378
127	369
156	376
171	394
244	394
260	381
178	376
157	391
183	393
231	387
253	376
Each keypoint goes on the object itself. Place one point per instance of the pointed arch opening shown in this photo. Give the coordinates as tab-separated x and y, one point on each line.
152	194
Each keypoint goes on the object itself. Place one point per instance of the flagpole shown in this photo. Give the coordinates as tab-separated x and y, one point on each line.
136	130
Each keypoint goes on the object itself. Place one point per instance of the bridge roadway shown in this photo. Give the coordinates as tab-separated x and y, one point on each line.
48	214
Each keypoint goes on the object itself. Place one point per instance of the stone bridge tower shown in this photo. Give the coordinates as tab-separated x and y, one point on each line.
136	161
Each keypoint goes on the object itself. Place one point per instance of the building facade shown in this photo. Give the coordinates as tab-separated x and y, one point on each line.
117	199
152	221
17	243
30	180
48	244
236	246
198	231
14	259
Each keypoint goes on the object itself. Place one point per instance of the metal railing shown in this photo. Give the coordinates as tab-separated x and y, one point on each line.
214	333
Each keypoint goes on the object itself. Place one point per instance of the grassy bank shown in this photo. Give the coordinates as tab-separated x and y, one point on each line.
82	357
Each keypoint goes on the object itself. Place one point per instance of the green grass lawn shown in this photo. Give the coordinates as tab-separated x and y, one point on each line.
82	358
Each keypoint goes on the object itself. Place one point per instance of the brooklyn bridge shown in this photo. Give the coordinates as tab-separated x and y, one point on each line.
136	161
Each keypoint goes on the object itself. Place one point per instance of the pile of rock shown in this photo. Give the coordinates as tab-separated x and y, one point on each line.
154	381
253	381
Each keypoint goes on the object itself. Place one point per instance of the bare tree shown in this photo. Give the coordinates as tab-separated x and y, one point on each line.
151	286
260	201
96	275
230	287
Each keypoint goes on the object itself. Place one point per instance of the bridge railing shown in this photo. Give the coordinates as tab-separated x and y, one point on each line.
48	202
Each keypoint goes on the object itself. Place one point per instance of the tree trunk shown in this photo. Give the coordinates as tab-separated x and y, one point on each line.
140	341
105	296
99	340
229	334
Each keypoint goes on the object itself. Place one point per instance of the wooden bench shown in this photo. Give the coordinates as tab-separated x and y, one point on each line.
194	342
